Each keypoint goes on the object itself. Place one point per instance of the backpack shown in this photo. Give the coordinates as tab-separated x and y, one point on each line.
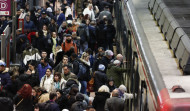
82	72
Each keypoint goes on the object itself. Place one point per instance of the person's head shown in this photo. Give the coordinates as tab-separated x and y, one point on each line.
25	91
43	14
108	54
34	91
2	66
79	97
87	22
54	35
59	93
48	72
64	24
69	27
117	62
101	67
89	51
90	108
122	88
106	8
66	69
100	49
47	4
45	27
74	56
44	61
85	56
104	88
65	59
111	82
115	93
43	54
57	76
119	57
27	18
52	20
36	107
31	65
74	35
68	38
53	96
90	6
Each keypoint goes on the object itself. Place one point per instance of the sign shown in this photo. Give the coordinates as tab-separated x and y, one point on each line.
5	7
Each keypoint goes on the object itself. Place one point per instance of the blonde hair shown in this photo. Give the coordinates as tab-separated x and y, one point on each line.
104	88
84	55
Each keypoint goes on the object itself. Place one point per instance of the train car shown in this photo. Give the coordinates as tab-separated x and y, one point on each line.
154	74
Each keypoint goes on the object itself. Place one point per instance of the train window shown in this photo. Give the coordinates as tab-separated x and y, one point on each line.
144	97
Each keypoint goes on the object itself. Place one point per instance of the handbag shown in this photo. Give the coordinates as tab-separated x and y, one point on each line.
90	85
15	106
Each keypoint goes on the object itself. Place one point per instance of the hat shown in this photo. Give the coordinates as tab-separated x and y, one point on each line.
2	63
109	53
101	67
122	88
69	25
68	35
116	62
43	12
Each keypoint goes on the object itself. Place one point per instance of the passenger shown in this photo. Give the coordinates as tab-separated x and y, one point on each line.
106	59
80	104
86	65
111	84
47	81
59	83
53	26
75	62
100	77
114	103
90	108
44	20
65	61
106	12
23	99
60	99
89	11
67	73
61	30
6	82
42	67
68	44
100	98
123	93
28	24
115	72
44	54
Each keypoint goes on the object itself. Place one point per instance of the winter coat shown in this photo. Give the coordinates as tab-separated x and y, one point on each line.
87	66
66	46
60	101
21	41
114	104
60	85
110	32
6	104
53	106
105	61
78	106
47	83
52	27
43	21
92	32
5	79
115	72
60	19
39	42
75	66
59	57
25	104
100	79
42	70
100	100
82	33
105	13
30	54
43	98
59	67
50	44
67	76
29	26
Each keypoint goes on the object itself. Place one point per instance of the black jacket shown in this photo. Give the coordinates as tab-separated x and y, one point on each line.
105	61
99	100
6	104
100	79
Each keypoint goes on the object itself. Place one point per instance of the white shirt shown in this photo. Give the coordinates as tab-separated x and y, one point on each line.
90	13
47	83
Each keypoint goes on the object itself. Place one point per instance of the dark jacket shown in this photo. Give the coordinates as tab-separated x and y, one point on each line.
43	21
81	32
21	41
60	19
100	79
6	104
29	26
105	61
49	106
87	76
59	57
115	72
25	104
114	104
75	66
39	42
5	79
100	100
50	44
110	32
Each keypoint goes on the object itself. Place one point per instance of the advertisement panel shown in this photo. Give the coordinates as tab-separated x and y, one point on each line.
5	7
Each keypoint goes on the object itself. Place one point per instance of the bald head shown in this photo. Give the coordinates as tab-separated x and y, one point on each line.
119	57
115	93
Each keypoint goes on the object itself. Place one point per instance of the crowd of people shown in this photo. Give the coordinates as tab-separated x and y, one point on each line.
65	53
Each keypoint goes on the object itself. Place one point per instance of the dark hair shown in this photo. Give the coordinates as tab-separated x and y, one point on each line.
32	63
65	56
52	95
49	69
100	48
45	60
58	74
89	107
74	55
66	66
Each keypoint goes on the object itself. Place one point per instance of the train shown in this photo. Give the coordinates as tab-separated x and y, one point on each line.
145	79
